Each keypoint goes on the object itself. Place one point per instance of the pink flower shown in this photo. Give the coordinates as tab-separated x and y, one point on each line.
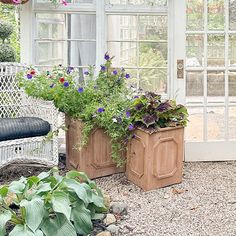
64	2
17	1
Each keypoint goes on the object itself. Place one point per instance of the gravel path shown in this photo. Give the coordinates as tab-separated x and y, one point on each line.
204	204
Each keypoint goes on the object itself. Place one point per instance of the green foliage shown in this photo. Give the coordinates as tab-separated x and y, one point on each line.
49	204
148	111
6	30
7	53
8	13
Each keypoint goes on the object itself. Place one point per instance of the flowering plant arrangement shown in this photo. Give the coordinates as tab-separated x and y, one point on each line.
100	101
148	111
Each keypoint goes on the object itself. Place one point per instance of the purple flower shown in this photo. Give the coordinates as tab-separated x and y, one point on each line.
127	76
100	110
80	90
52	85
131	127
127	114
106	57
69	69
103	68
29	76
86	73
115	72
136	96
66	84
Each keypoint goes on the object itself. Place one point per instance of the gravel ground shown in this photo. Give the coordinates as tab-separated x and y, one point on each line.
204	204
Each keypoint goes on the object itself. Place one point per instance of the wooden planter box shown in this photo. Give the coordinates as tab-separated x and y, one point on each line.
155	160
95	158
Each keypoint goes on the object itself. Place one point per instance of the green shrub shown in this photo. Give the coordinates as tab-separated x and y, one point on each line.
5	30
7	53
50	205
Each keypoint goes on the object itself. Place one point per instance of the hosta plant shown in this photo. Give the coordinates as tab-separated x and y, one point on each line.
149	111
50	205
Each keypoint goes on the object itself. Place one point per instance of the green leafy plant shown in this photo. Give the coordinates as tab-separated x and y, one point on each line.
6	30
50	204
7	53
148	111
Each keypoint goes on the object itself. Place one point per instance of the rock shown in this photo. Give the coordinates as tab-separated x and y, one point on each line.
119	208
107	200
110	219
104	233
114	229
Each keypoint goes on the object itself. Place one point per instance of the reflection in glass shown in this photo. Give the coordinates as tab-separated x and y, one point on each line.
153	80
50	53
232	14
140	2
216	15
195	15
215	123
153	54
122	27
232	83
125	53
232	50
216	50
232	123
50	26
194	50
194	83
153	27
194	129
215	83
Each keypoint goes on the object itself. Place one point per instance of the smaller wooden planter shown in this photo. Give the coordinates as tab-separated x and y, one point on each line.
95	158
155	160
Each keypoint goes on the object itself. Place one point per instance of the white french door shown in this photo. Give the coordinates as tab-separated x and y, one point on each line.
209	85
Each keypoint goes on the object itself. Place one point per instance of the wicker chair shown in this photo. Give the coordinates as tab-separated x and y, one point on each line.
14	103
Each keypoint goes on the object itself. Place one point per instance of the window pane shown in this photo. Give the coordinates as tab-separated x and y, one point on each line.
153	54
81	26
81	53
153	27
51	26
232	122
215	123
232	50
50	53
133	80
232	84
194	130
216	15
125	53
194	83
195	15
195	50
232	14
139	2
216	50
153	80
215	83
122	27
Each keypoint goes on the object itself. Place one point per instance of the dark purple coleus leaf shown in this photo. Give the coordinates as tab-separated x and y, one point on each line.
149	120
139	106
163	106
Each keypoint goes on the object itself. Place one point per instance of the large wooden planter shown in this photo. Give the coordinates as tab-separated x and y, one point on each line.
155	160
95	158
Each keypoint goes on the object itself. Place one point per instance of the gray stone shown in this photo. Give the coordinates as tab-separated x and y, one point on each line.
110	219
119	208
114	229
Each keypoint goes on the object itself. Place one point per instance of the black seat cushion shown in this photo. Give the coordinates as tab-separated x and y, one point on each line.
23	127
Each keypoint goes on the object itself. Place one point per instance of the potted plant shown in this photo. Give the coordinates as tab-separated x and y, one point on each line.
155	153
98	125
